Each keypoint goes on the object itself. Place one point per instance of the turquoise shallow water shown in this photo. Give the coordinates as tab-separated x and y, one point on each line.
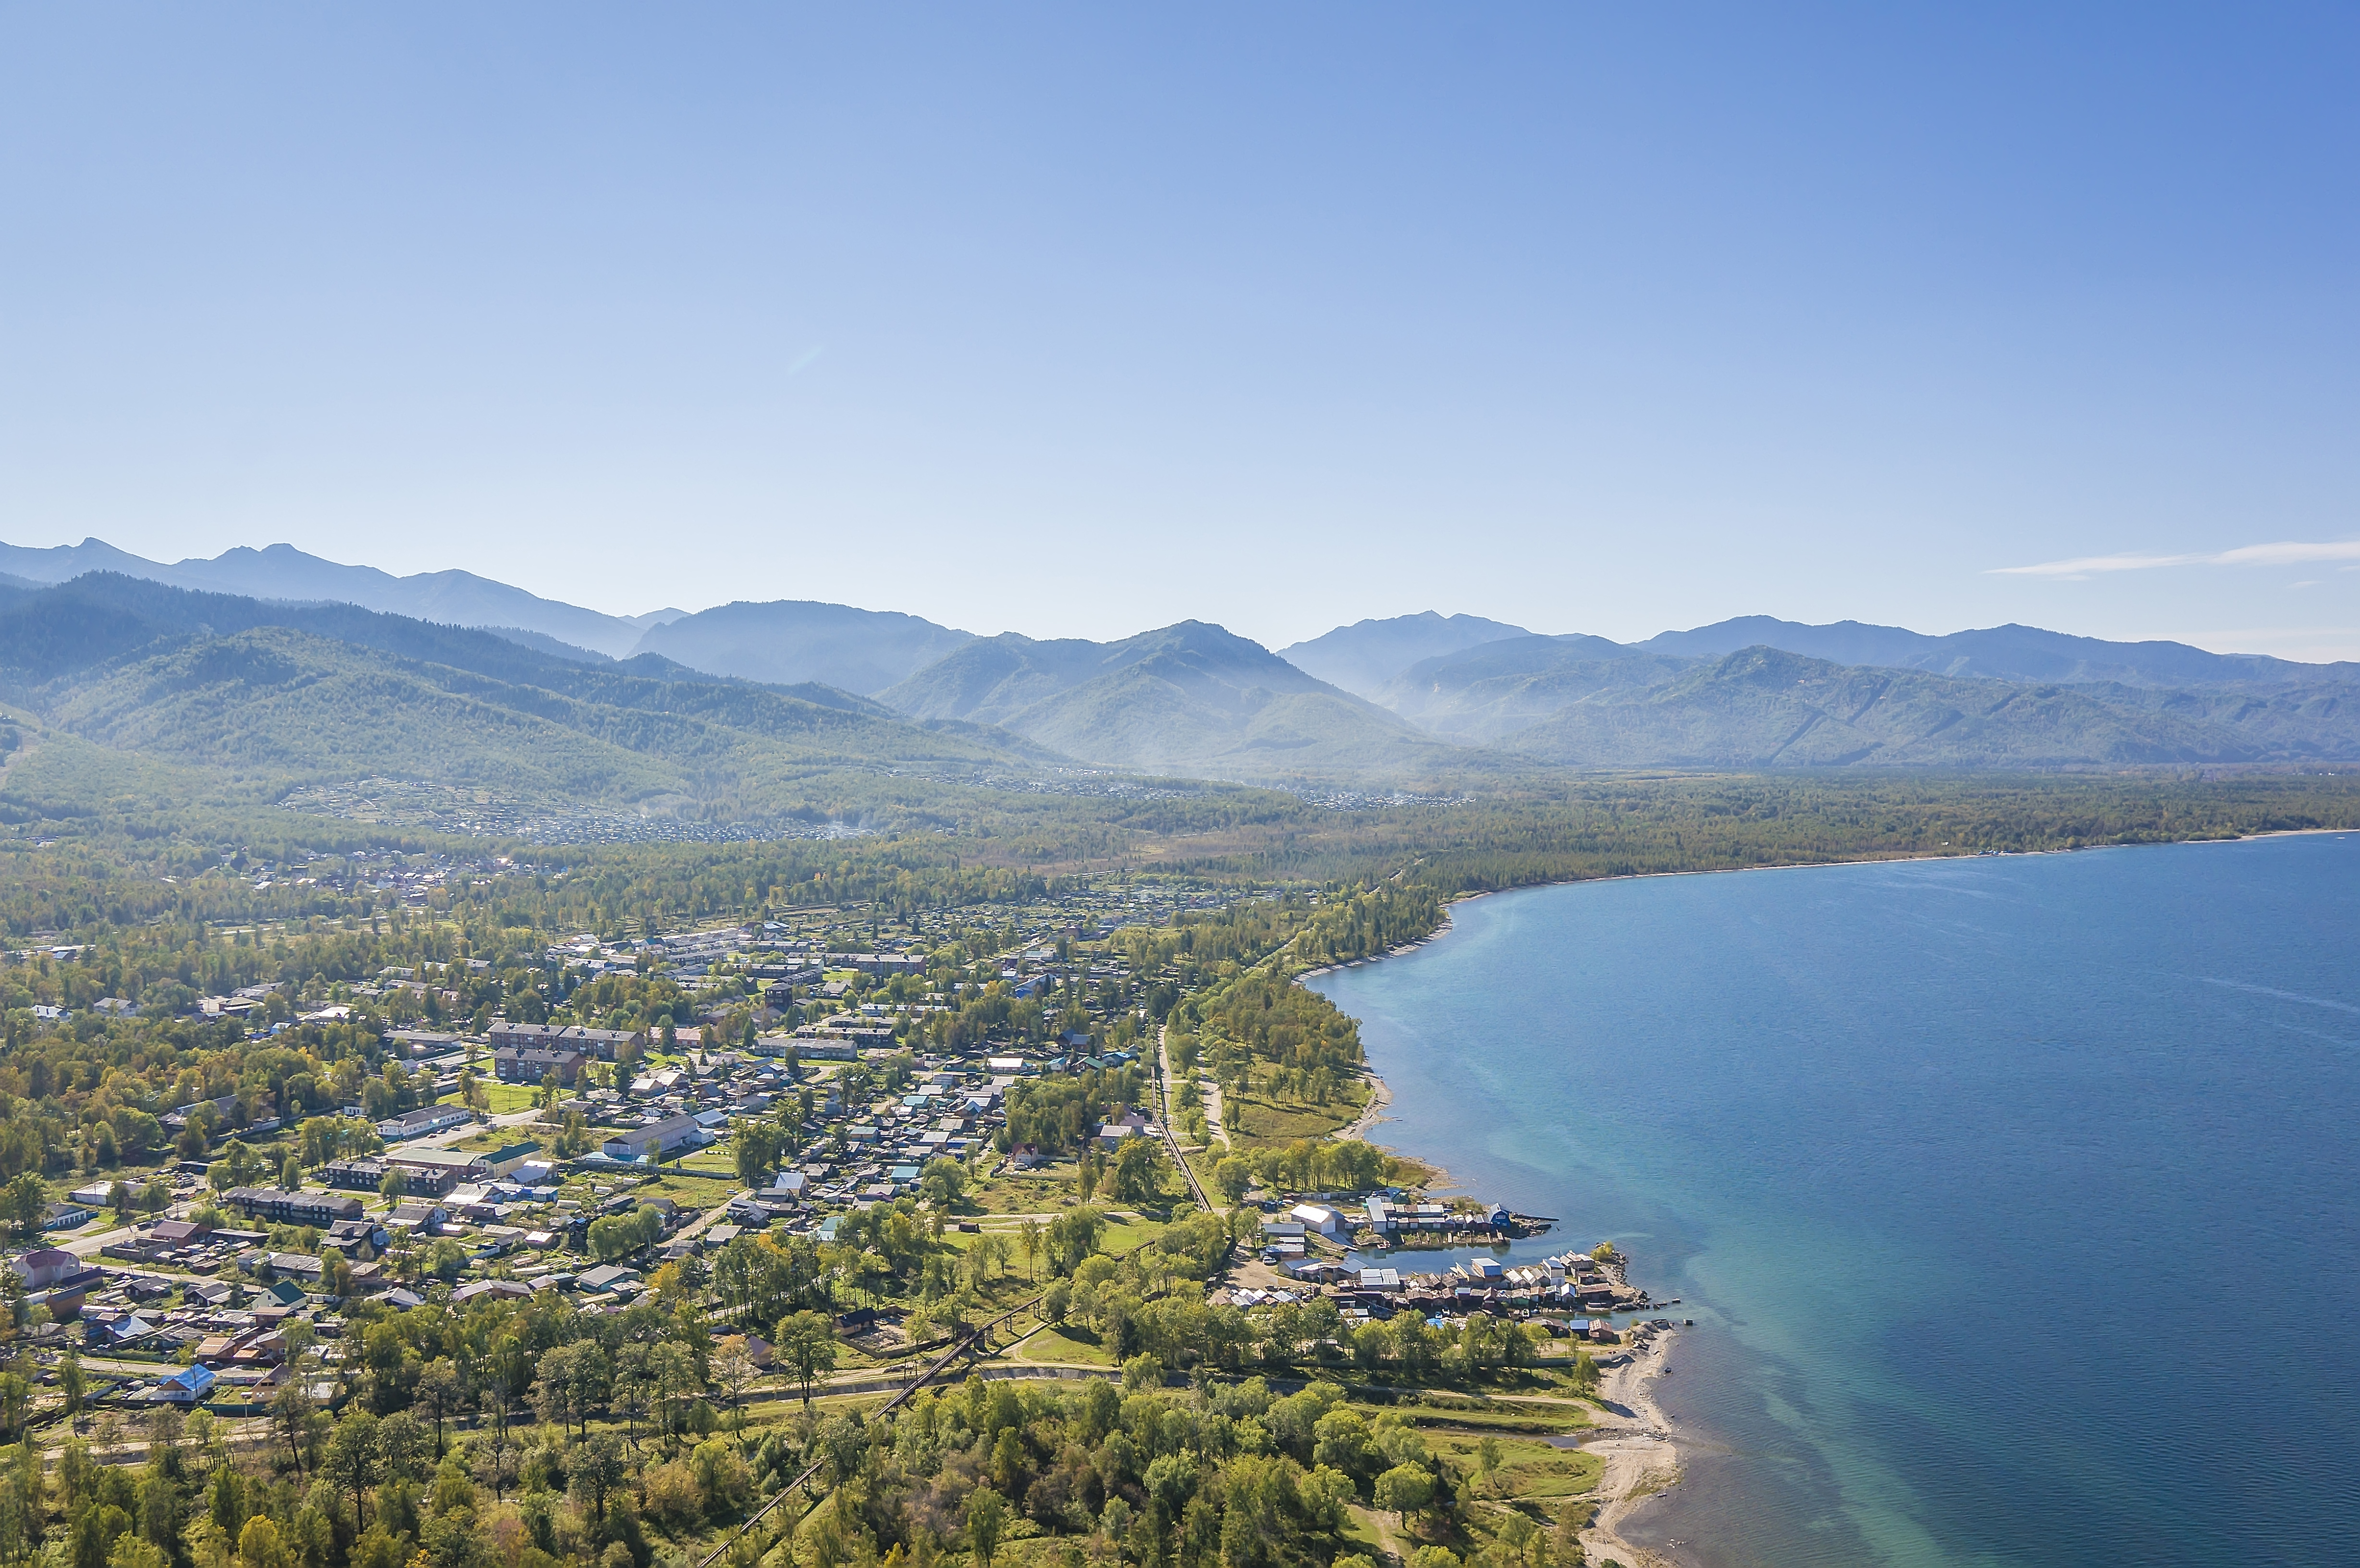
2018	1198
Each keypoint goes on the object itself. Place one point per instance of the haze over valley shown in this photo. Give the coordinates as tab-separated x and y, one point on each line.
269	672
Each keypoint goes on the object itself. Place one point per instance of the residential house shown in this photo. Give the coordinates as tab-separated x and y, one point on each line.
423	1120
51	1268
603	1044
422	1218
507	1160
531	1064
606	1277
666	1137
437	1169
608	1044
348	1236
885	964
178	1232
281	1207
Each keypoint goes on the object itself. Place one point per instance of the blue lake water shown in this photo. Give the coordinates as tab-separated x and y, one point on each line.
2018	1198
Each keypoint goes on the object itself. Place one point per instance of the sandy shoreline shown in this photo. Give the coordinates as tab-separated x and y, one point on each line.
1633	1435
1641	1453
1380	1096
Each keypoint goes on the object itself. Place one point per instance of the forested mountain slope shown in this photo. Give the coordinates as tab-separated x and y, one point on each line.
1363	657
1187	698
276	695
1481	694
1764	708
790	640
1997	653
283	572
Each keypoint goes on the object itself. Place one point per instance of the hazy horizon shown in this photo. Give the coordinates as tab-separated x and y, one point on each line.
1076	322
1268	642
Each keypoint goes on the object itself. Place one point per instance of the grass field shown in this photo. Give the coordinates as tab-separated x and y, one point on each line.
1073	1344
693	1190
505	1097
1268	1122
1529	1468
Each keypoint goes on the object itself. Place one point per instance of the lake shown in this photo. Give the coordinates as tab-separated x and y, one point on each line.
2014	1197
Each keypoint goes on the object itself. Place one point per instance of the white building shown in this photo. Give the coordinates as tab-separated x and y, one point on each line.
1317	1217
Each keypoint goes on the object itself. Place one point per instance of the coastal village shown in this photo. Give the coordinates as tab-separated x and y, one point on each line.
810	1074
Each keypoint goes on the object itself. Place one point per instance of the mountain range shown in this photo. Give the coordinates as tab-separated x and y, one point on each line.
1189	698
235	697
1363	657
301	671
790	641
283	572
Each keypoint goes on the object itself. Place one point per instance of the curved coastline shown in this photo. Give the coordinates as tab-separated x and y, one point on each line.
1636	1475
1405	949
1640	1446
1643	1449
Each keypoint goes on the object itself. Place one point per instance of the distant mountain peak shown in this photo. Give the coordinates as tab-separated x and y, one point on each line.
789	641
1365	656
282	571
2010	652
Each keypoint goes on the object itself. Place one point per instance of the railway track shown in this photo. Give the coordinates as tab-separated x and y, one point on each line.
973	1344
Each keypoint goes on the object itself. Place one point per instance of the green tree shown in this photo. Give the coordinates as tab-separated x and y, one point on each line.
1404	1490
1235	1177
441	1390
987	1522
804	1343
28	1200
70	1384
1074	1236
943	1182
259	1546
292	1409
1138	1171
594	1469
1029	1237
756	1145
352	1463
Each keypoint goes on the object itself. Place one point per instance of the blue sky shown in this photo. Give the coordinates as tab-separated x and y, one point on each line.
1075	320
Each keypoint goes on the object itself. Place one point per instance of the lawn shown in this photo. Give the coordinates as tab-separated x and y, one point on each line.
1072	1344
692	1190
505	1098
1528	1469
1268	1122
714	1162
1123	1236
1021	1193
1518	1418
